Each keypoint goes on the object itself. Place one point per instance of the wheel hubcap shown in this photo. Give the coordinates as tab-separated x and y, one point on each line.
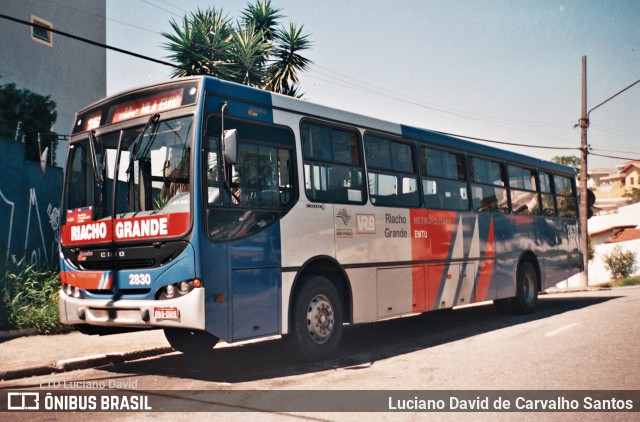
528	285
320	319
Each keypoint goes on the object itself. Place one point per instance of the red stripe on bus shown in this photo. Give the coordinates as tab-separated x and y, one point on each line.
487	264
88	280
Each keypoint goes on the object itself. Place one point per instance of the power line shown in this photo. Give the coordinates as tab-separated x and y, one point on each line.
161	8
375	90
614	157
461	113
104	17
140	56
88	41
473	138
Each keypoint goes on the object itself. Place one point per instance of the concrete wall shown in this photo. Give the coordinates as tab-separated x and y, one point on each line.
73	73
29	207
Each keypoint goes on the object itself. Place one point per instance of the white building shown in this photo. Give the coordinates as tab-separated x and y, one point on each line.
607	231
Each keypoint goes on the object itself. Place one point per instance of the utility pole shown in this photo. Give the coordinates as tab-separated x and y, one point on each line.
584	234
584	204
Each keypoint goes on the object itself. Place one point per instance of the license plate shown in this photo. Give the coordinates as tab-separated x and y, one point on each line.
166	313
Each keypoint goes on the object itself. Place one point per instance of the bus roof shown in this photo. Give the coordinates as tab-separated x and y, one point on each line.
309	109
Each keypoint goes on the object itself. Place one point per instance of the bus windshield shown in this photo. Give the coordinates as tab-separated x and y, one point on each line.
143	170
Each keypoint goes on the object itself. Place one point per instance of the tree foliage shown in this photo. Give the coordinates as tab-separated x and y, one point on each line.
621	263
255	51
633	195
35	112
567	160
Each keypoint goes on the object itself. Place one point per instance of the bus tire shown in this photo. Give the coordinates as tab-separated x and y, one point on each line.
526	289
317	319
526	297
190	342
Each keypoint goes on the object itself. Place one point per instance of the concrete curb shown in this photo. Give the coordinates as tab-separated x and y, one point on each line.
9	334
554	290
85	362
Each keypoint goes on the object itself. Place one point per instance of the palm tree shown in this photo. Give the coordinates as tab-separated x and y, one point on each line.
283	72
255	51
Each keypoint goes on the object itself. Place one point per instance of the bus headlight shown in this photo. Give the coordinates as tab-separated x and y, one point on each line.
170	291
178	289
71	291
184	288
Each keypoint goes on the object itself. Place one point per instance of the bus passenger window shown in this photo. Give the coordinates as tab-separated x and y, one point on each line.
548	199
391	173
565	197
333	168
444	183
488	190
524	195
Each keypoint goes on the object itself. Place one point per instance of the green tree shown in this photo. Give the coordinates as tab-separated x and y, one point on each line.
36	114
633	195
255	51
621	263
567	160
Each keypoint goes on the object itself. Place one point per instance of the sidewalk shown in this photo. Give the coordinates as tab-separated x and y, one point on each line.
44	354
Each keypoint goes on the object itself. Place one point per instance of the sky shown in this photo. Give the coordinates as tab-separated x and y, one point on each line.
509	71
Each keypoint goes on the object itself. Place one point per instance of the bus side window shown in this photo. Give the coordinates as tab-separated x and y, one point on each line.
443	179
524	194
333	166
488	185
392	175
565	197
548	199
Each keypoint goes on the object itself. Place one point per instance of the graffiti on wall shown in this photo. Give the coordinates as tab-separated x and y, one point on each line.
40	234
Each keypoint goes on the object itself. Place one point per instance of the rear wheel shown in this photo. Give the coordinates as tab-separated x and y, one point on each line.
526	297
190	342
317	319
527	289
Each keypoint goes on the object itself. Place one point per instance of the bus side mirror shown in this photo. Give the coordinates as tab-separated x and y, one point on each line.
230	146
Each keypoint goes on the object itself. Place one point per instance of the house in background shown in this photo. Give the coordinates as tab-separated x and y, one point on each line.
611	185
72	72
620	228
631	173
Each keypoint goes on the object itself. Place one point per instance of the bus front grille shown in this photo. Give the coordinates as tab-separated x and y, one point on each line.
119	264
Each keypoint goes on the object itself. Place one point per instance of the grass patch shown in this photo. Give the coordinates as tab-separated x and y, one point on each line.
29	297
629	281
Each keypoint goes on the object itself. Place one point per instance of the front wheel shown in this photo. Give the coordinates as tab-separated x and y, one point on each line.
317	319
190	342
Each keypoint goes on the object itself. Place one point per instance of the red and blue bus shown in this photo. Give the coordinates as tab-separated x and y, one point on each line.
215	211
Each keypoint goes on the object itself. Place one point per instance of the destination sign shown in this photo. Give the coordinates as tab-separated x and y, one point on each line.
148	105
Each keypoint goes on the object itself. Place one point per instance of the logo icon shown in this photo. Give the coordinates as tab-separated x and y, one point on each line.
23	401
366	223
344	216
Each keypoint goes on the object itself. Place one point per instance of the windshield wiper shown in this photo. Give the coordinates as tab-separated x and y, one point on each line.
97	174
138	141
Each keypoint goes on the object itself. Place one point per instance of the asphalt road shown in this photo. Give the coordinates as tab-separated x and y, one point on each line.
574	341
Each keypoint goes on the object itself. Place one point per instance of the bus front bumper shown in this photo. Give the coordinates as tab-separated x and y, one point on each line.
183	312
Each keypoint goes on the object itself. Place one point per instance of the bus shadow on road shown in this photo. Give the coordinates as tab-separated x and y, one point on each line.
361	344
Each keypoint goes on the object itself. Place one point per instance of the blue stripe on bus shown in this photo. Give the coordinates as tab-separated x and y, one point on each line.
446	141
242	101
